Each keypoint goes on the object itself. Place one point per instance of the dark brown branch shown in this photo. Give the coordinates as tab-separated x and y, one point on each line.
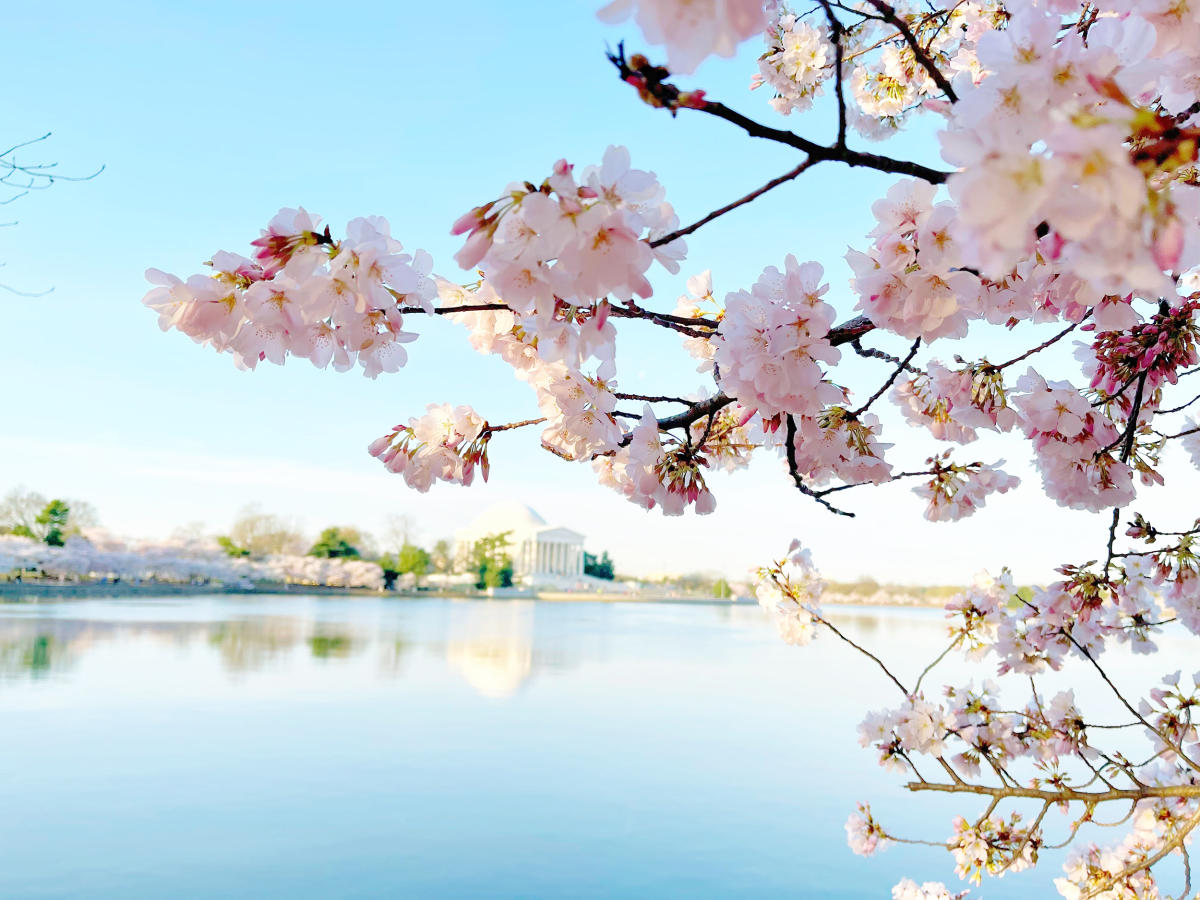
651	84
873	353
838	31
853	158
741	201
697	412
793	470
1044	344
630	310
1175	409
1112	538
490	429
450	310
896	477
902	366
848	331
621	395
890	16
1134	412
1185	433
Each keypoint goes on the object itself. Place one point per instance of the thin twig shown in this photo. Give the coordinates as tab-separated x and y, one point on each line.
793	470
891	379
741	201
890	16
1042	346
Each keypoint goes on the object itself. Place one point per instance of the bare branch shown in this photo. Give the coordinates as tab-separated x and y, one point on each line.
741	201
902	366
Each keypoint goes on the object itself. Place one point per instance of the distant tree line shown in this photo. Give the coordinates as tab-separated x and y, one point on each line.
28	514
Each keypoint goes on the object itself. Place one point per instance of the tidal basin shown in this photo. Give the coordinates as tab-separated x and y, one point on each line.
356	747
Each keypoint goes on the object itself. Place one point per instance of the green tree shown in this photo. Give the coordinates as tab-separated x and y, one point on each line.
410	558
231	549
54	522
489	561
721	589
598	568
335	543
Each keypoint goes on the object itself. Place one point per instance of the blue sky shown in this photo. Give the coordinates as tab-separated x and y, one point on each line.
210	117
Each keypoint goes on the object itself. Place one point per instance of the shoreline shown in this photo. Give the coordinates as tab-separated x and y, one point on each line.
16	592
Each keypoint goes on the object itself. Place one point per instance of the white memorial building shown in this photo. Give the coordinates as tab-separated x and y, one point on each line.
542	554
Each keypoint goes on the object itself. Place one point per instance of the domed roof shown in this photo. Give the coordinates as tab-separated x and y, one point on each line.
510	515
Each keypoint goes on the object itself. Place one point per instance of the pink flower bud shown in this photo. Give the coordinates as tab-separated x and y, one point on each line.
1168	244
473	250
379	445
468	221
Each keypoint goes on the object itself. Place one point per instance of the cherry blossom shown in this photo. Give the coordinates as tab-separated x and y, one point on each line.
305	295
1064	209
772	342
797	60
691	29
957	491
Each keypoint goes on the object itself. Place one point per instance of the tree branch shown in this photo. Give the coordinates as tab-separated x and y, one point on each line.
652	85
902	366
741	201
889	15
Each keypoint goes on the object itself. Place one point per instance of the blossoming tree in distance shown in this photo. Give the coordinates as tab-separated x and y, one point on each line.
1066	197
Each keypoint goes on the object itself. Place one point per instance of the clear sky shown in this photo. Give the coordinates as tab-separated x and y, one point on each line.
210	117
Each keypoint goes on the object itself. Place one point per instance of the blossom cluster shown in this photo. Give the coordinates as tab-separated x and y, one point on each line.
957	490
912	280
798	59
952	404
652	473
790	590
101	557
306	295
886	80
691	31
572	242
838	443
1074	444
445	444
773	340
1042	140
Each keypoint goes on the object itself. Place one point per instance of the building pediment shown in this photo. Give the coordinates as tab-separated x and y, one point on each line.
556	533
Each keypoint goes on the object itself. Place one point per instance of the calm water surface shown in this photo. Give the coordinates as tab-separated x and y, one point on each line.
311	747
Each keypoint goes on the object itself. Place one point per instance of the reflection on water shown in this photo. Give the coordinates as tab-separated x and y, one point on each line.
35	655
325	747
491	644
325	645
250	644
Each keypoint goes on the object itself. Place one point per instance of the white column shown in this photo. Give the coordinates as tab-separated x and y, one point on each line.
557	558
578	560
537	556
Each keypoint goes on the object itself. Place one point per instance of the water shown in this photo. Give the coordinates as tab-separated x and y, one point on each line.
313	747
